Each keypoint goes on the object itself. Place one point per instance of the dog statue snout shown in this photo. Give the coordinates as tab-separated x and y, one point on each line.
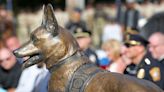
30	53
26	50
16	53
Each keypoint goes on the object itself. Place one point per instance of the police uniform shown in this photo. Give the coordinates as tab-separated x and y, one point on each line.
72	25
162	61
92	55
131	39
81	31
149	68
131	70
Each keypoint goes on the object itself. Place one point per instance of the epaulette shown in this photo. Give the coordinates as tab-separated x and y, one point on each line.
147	61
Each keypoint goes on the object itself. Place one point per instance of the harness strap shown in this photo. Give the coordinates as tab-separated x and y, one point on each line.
81	77
69	59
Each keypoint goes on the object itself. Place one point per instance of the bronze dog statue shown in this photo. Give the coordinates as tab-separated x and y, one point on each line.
70	70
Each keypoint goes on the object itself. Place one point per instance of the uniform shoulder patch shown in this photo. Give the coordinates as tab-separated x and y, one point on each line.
92	58
155	73
141	73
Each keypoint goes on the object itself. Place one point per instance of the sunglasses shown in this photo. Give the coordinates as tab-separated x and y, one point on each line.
129	45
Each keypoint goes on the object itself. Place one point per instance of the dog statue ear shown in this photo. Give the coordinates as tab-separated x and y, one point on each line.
44	17
49	20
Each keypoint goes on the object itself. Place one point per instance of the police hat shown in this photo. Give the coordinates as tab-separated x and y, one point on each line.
76	9
135	39
80	31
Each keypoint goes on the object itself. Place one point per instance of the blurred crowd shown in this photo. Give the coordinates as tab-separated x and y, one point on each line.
109	34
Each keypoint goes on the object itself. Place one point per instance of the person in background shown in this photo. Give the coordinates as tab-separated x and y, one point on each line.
112	30
145	66
1	88
5	14
10	69
131	16
156	46
34	79
10	40
112	48
83	37
75	20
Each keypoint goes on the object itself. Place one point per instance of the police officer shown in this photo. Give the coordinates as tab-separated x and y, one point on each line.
145	66
156	46
83	37
75	20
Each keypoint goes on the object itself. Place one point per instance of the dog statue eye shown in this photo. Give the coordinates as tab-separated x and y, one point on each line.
33	38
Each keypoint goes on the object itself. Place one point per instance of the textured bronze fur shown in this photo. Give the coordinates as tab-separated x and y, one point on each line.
52	44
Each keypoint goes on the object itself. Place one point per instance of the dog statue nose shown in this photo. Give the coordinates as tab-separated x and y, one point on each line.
15	52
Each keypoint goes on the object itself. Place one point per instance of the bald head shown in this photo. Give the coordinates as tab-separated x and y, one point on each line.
156	45
157	37
7	59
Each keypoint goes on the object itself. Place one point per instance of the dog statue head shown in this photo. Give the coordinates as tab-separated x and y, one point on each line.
49	43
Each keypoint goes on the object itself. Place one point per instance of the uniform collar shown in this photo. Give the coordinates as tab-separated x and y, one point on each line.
161	58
